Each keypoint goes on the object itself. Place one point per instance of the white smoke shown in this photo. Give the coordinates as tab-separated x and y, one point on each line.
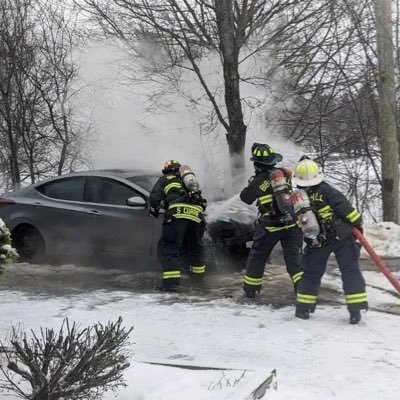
131	136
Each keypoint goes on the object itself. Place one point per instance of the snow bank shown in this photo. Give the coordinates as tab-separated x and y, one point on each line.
384	237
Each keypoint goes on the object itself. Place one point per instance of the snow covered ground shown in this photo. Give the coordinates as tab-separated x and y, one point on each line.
323	358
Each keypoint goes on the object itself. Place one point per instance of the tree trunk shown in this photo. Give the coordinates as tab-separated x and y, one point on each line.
64	135
236	133
236	138
387	111
13	149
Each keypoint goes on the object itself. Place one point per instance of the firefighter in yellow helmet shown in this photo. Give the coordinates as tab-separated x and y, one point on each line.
275	223
336	217
183	226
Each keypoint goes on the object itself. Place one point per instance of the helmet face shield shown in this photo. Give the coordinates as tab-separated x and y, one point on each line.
264	154
307	173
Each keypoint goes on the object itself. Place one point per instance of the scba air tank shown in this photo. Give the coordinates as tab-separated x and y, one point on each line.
281	191
305	215
189	179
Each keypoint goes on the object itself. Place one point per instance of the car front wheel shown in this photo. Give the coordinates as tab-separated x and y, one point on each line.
29	244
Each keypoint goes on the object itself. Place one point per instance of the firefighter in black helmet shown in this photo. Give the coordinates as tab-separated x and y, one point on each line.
183	226
273	225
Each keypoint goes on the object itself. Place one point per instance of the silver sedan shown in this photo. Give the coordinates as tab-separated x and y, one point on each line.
103	214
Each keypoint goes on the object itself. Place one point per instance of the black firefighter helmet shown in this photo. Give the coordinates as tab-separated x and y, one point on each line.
264	154
171	167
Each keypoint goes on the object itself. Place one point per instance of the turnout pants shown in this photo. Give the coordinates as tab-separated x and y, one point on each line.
347	252
177	233
263	243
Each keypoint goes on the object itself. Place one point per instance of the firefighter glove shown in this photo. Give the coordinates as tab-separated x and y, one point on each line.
193	196
359	225
312	242
154	212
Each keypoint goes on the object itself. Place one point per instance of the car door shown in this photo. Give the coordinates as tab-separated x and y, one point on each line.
116	227
61	215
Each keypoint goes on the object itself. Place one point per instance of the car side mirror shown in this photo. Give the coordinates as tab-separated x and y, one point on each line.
136	201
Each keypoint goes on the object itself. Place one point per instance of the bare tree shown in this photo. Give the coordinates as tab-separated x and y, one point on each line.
55	78
17	97
40	131
332	86
187	31
71	364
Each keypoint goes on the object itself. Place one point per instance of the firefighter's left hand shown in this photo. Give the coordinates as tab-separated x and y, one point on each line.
315	243
203	203
312	242
193	196
154	212
358	225
251	179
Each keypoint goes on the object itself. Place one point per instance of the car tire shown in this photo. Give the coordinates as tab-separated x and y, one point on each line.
29	244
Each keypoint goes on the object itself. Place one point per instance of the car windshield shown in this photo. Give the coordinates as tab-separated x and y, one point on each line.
145	181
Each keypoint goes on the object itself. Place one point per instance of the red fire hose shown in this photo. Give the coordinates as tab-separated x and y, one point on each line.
379	263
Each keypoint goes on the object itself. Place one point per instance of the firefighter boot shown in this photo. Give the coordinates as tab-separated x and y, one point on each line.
250	293
302	312
197	280
171	288
355	317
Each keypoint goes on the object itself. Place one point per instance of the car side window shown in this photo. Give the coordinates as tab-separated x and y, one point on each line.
65	189
109	191
145	181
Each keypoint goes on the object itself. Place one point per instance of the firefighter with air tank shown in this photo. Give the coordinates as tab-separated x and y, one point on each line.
326	218
271	188
179	194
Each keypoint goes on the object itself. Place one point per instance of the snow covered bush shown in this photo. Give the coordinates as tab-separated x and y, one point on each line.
71	364
7	253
